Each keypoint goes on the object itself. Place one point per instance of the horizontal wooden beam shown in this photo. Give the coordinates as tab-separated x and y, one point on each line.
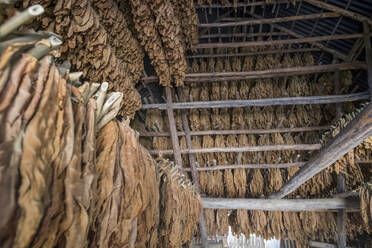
305	100
247	166
351	136
237	35
344	12
229	132
269	20
239	5
279	42
298	147
292	205
277	51
317	244
270	73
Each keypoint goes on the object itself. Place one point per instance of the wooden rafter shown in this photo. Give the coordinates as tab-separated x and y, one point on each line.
237	35
269	20
229	132
367	45
304	100
351	136
344	12
279	42
317	44
281	204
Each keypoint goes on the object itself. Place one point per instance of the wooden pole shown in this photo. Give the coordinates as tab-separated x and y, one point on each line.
279	42
228	132
344	12
351	136
297	147
247	35
173	129
280	51
194	174
341	215
295	205
269	20
367	44
305	100
323	245
247	166
317	44
270	73
238	5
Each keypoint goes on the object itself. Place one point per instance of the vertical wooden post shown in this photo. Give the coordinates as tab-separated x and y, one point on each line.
194	173
341	215
173	129
367	42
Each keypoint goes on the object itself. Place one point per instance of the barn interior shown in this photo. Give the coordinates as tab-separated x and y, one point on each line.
172	123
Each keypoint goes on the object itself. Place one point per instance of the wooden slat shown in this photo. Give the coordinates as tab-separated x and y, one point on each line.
247	166
334	52
277	51
344	12
351	136
263	102
269	20
173	129
295	205
298	147
239	35
228	132
270	73
367	44
279	42
239	5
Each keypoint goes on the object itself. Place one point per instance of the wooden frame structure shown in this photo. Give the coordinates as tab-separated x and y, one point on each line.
350	137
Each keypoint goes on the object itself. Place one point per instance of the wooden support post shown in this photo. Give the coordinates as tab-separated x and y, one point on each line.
351	136
172	128
295	205
341	215
344	12
367	44
194	174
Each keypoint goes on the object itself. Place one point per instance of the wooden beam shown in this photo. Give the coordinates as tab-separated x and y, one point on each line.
351	136
279	42
344	12
277	51
248	166
367	45
305	100
173	129
270	73
293	205
341	214
269	20
236	35
323	245
317	44
194	174
239	5
297	147
228	132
